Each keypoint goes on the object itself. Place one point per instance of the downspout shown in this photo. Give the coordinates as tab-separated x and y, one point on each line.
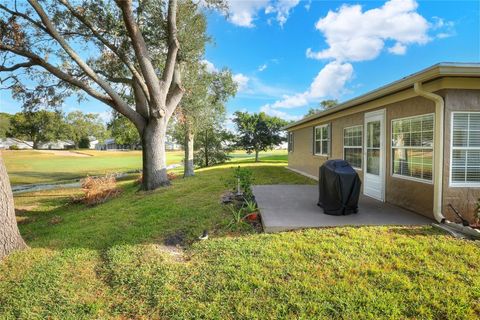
438	149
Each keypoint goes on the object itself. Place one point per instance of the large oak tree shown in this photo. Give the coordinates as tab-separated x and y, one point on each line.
123	53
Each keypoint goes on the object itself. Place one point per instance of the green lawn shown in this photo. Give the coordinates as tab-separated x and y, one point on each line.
29	166
110	261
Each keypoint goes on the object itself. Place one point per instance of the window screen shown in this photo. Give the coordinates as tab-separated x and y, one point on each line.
412	147
352	146
322	140
465	164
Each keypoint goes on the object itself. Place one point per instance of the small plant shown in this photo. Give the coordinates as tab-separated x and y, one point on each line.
250	206
99	189
238	216
14	147
241	182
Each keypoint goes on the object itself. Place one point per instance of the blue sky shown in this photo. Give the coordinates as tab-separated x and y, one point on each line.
287	55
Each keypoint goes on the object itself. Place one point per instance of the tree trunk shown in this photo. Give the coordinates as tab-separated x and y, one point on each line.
206	148
10	238
35	145
256	156
154	156
188	165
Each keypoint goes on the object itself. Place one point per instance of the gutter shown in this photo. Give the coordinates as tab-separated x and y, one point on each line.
438	147
438	163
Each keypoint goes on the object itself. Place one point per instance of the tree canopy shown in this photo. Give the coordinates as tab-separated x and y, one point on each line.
258	131
322	106
37	126
123	53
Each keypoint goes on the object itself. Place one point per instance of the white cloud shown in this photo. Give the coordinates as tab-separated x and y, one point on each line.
209	66
356	35
262	67
330	82
278	113
243	12
282	9
398	48
241	80
444	29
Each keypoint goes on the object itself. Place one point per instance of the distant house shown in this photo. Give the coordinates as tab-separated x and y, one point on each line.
57	145
93	143
110	144
6	143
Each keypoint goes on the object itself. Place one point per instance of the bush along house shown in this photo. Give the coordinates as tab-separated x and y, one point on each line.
415	143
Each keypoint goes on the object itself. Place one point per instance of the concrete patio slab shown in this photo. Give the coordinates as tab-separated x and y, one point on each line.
288	207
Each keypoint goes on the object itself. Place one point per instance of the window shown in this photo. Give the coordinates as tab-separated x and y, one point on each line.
290	141
412	147
352	146
465	161
322	140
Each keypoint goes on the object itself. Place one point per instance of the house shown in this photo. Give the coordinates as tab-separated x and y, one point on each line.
415	143
6	143
56	145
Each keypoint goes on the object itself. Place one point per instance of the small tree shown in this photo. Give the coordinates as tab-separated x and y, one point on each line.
37	126
202	107
258	131
123	131
80	126
213	146
4	124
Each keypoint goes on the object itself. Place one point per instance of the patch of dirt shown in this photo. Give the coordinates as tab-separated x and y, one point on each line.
176	239
66	153
175	252
21	210
55	220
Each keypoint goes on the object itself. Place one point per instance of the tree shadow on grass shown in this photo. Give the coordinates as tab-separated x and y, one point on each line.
186	208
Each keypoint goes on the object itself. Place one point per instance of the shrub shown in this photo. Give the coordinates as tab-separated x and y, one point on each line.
13	147
243	176
99	189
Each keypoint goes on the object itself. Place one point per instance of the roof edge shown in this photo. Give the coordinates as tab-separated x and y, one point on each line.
442	69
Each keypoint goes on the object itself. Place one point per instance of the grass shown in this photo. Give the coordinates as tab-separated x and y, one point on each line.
110	261
29	166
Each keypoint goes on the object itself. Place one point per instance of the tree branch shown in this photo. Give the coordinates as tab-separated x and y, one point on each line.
109	45
176	92
120	105
17	66
141	103
141	54
173	45
36	60
24	16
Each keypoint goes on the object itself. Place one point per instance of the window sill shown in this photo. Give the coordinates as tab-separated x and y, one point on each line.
412	179
464	185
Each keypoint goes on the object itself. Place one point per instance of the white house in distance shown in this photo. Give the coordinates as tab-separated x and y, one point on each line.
6	143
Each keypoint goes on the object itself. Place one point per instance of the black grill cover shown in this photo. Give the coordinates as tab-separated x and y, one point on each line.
339	188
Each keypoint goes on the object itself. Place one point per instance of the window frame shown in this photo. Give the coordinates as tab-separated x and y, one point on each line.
399	176
329	140
452	148
291	142
354	147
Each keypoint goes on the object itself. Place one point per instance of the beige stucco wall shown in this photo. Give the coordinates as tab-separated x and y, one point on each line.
413	195
464	199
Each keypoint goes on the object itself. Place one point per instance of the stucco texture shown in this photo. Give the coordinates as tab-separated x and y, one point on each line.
413	195
462	198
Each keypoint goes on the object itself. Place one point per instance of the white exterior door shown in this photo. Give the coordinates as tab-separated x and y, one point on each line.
374	155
